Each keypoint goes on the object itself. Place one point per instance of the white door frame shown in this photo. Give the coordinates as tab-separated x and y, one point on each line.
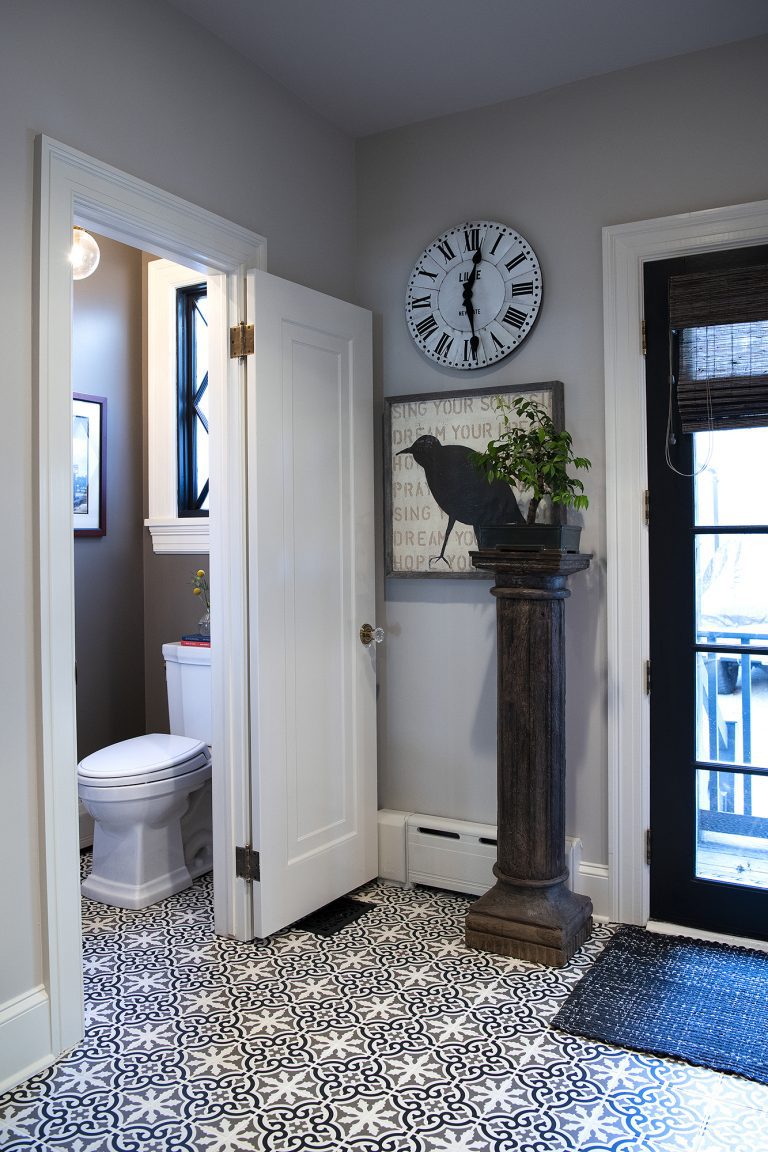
626	248
73	185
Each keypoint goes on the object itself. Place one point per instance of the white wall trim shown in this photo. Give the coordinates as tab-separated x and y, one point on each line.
73	185
593	880
626	248
24	1036
179	536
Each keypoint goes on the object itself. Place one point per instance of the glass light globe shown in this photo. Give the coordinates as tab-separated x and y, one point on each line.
85	254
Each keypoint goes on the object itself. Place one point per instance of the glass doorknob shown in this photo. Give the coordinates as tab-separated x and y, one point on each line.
370	635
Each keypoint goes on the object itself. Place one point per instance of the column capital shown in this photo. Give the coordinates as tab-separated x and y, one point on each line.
522	567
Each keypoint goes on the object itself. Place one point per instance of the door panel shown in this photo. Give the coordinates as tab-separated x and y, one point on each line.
708	642
311	586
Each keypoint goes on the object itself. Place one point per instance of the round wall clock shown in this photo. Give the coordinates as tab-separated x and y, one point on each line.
473	295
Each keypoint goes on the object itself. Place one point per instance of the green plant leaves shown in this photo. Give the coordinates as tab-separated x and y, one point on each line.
531	454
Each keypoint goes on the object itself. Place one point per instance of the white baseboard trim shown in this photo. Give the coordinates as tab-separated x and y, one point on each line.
25	1037
463	862
594	881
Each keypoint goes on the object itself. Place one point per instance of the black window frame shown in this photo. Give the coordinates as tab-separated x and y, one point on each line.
189	501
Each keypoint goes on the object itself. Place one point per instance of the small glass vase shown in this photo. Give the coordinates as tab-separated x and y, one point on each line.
204	624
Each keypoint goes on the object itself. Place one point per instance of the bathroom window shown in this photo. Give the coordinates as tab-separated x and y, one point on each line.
172	530
193	400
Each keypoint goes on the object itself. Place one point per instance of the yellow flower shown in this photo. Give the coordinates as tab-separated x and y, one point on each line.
200	586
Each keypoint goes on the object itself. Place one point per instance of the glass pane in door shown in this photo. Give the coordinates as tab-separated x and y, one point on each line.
731	581
729	482
731	606
732	827
732	709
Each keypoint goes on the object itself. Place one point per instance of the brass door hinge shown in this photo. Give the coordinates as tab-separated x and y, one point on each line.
647	845
247	864
643	338
647	677
240	340
647	507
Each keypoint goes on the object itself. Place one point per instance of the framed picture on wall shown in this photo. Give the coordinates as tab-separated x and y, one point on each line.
421	540
89	474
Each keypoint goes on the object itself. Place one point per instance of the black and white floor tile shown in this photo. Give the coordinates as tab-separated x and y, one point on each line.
390	1036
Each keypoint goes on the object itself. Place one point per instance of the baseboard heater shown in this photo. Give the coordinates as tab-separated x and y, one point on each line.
456	855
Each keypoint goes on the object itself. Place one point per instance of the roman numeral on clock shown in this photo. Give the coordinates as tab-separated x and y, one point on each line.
446	251
420	302
524	289
472	239
514	317
513	263
443	345
426	327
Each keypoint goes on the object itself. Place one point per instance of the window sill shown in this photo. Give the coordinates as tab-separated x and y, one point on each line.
179	536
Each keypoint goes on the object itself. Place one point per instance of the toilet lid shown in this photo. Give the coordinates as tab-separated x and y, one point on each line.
144	759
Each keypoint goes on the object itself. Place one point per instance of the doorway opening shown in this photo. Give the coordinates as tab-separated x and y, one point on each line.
130	599
110	202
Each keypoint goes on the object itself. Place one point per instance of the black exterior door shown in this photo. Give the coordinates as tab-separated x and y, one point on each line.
708	500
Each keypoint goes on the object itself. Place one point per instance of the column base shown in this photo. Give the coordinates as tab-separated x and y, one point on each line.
541	925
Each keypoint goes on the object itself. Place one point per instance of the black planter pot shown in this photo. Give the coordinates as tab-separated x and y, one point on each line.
530	537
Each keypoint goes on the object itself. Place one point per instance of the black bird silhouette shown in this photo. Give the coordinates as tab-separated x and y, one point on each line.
461	490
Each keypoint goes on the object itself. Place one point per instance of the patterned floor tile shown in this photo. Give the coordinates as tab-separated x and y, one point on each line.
390	1036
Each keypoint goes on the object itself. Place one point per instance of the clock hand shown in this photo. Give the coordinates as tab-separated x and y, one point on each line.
474	342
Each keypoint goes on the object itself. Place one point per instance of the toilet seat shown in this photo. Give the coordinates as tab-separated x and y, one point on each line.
143	760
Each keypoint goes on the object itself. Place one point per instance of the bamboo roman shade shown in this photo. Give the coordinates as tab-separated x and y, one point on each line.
721	318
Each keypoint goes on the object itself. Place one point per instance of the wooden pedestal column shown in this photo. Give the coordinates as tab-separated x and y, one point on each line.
530	913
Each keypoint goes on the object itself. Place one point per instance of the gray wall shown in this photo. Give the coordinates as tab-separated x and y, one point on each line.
293	182
128	601
170	610
109	580
682	135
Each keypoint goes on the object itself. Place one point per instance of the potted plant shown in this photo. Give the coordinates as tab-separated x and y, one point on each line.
532	455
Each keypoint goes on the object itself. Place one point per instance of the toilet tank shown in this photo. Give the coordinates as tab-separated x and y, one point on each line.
188	680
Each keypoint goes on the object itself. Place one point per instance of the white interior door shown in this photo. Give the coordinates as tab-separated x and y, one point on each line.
311	587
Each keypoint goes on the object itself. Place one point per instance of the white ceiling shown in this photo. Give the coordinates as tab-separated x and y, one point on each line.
371	65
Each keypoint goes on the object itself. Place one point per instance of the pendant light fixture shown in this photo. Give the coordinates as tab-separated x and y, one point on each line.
85	254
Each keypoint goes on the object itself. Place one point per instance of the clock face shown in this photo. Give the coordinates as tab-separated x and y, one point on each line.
473	295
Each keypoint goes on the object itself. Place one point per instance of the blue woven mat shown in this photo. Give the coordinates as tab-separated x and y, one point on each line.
703	1002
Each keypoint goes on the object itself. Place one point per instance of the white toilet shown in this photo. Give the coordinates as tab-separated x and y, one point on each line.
150	797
